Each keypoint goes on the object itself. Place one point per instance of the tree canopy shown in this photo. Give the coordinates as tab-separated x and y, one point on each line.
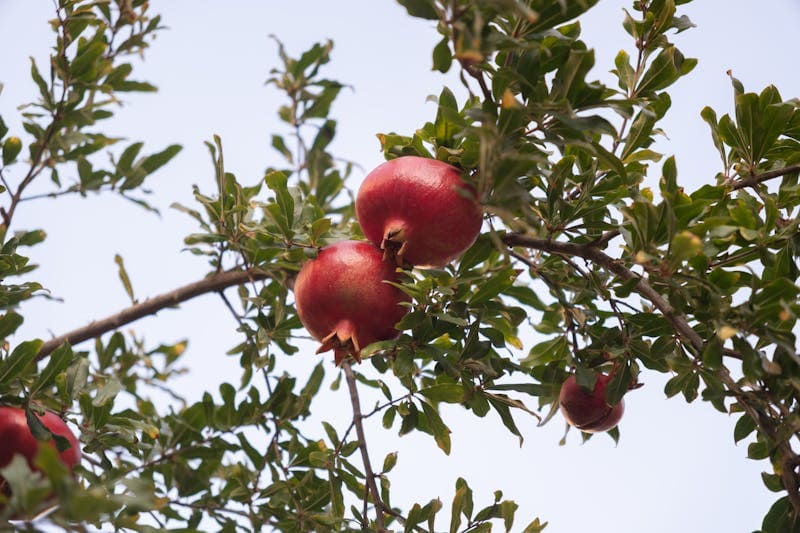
620	275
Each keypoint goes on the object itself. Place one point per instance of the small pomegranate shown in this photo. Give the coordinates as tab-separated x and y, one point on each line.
589	411
343	301
418	210
17	438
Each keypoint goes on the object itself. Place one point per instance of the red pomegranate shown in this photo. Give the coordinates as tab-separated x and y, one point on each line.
16	437
343	301
419	210
589	411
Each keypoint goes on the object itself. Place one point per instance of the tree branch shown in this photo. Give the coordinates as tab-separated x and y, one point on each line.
595	255
684	330
362	445
56	115
757	179
214	283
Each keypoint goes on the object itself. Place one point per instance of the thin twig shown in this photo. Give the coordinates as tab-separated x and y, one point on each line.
478	76
592	253
214	283
56	114
685	331
362	445
604	239
54	194
377	409
752	181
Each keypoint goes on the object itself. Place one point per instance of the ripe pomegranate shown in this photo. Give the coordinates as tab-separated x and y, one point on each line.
16	438
343	301
589	411
418	210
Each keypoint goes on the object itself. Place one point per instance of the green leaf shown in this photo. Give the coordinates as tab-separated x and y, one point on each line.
624	71
107	393
153	162
441	433
321	104
258	459
712	353
420	8
505	416
618	385
494	285
388	417
85	173
710	117
442	56
118	76
781	518
44	90
534	389
507	510
280	145
570	79
758	450
124	278
135	86
77	375
389	462
462	504
640	132
744	427
432	508
20	359
283	209
9	323
57	362
86	58
445	126
31	238
535	527
337	496
551	14
319	228
39	430
128	156
686	382
545	352
773	482
665	69
445	392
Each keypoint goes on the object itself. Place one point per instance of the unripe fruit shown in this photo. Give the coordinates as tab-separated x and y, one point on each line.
589	411
11	149
16	437
418	210
343	300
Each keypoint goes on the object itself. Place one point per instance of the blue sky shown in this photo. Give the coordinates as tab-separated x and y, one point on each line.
676	467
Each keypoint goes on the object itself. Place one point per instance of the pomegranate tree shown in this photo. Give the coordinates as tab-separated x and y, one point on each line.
343	299
419	210
16	438
588	410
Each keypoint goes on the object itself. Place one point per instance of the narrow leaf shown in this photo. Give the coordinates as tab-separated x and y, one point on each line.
19	360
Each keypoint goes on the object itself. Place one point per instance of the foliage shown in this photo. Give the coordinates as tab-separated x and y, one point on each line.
703	285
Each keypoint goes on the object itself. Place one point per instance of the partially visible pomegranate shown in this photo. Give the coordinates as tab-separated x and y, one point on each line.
419	210
343	301
16	438
589	411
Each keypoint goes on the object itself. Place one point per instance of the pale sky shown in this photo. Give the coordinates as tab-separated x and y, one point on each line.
676	467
